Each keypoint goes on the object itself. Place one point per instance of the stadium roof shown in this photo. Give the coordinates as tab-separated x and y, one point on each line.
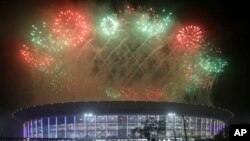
119	107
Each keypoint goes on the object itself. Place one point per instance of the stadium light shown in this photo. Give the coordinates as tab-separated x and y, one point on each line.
171	114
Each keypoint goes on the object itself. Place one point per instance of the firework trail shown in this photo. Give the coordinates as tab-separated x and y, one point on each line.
123	56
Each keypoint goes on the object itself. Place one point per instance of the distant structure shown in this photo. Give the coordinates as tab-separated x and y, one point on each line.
116	120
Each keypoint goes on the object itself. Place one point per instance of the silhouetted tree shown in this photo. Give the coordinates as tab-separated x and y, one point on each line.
222	135
150	129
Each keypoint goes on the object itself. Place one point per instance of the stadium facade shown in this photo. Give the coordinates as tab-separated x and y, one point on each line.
117	120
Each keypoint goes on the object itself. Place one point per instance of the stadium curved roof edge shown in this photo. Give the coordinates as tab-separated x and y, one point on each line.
119	107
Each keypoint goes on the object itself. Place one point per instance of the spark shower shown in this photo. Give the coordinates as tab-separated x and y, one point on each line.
134	54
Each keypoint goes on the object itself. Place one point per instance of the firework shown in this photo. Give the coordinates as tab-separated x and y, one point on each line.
154	94
109	25
56	83
129	9
129	94
39	37
212	65
25	53
152	26
70	27
190	38
43	39
122	69
194	84
40	62
112	93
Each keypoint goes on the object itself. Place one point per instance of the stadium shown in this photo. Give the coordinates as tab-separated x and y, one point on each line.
142	68
117	120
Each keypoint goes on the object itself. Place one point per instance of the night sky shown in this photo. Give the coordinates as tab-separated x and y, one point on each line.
226	23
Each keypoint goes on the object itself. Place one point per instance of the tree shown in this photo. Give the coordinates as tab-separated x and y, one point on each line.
150	129
223	135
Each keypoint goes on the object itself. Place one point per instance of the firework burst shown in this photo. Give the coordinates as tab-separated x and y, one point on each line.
39	61
132	60
70	27
109	25
190	38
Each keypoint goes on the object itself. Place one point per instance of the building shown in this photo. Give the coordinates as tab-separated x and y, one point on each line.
116	120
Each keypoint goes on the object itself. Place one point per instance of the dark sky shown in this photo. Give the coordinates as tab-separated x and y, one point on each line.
226	23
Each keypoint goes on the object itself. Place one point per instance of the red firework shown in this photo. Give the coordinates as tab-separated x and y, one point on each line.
190	38
154	94
41	62
25	53
70	27
129	94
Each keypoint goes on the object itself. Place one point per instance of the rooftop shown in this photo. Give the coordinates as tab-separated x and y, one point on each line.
121	107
